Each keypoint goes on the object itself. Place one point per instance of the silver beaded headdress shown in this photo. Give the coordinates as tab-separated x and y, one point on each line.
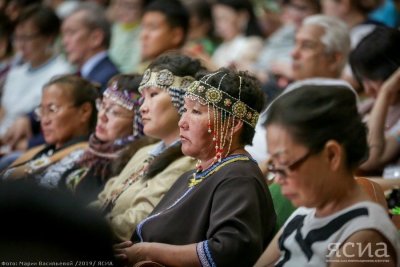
129	100
225	107
122	97
175	85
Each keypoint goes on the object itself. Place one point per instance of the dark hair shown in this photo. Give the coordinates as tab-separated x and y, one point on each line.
253	28
202	10
315	3
178	64
250	94
95	19
6	30
377	56
25	3
60	227
44	18
366	7
315	114
128	82
82	91
176	14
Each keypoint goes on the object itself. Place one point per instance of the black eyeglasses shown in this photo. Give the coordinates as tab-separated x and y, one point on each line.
283	171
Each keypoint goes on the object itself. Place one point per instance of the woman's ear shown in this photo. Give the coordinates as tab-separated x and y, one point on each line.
86	111
334	154
237	125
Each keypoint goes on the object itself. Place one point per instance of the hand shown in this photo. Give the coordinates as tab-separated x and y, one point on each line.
392	86
269	177
21	129
119	251
129	253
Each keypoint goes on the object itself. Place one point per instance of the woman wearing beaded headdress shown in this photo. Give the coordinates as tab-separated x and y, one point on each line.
117	127
129	197
228	213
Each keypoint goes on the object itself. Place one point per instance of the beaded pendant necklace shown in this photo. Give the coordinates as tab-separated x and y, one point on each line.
200	175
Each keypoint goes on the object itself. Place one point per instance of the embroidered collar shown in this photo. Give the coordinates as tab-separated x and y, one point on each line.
199	176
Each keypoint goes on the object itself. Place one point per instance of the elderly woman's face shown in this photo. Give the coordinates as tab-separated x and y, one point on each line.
159	116
60	119
299	171
113	120
193	126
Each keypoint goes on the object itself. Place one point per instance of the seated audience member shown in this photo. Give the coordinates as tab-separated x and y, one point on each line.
317	140
58	232
355	14
274	59
34	36
67	116
322	46
237	26
165	25
115	130
373	61
383	149
86	36
228	213
201	38
125	44
129	197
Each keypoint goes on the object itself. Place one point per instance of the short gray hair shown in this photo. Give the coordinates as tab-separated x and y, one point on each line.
336	37
95	18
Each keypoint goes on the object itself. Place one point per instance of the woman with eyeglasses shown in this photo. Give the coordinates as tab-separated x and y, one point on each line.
317	140
118	128
67	116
